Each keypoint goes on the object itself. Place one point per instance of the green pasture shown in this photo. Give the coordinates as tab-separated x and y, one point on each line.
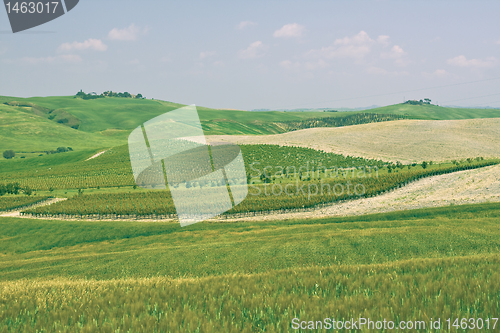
106	250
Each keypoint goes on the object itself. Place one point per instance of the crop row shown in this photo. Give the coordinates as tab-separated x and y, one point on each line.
14	202
113	168
354	119
260	198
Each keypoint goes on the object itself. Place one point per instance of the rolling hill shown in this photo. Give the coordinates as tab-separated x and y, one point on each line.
45	123
406	140
434	112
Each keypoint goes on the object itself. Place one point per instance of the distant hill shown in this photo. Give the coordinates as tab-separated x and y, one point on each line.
46	123
434	112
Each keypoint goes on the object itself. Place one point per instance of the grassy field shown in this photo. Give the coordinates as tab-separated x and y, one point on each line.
27	132
434	112
106	250
249	277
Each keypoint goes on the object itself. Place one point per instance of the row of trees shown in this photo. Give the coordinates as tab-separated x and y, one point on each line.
14	188
420	102
353	119
110	93
8	154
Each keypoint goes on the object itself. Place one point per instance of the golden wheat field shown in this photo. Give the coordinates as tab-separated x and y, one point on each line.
418	290
407	141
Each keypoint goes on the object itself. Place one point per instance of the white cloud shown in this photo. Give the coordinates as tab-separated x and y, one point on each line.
132	32
312	65
91	44
288	64
290	30
440	72
376	70
380	71
383	39
396	53
206	54
462	61
361	38
67	58
255	50
356	47
308	65
244	24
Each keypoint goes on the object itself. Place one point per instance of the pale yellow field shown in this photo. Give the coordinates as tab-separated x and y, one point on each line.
458	188
403	140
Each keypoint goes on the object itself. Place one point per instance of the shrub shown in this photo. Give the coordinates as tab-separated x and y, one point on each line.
8	154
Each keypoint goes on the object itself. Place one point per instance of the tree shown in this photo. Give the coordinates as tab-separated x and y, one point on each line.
81	94
427	100
424	165
138	96
28	191
8	154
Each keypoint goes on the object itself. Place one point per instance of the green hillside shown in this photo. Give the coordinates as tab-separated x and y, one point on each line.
45	123
26	124
127	113
434	112
24	131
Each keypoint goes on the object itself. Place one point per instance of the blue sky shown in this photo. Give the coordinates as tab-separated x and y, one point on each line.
262	54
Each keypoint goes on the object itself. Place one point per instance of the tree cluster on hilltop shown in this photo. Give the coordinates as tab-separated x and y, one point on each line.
109	93
426	101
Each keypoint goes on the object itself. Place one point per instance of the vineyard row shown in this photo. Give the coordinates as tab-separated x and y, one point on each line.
160	203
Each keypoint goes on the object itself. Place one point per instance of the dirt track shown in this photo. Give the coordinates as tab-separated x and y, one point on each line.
463	187
403	140
16	212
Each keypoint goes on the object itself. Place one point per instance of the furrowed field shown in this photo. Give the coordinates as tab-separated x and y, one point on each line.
249	277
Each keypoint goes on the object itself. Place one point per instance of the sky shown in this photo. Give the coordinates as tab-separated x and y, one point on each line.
262	54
